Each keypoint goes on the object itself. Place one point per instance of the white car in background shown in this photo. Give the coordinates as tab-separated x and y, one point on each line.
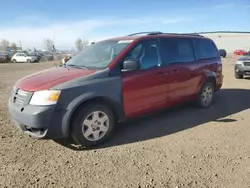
22	58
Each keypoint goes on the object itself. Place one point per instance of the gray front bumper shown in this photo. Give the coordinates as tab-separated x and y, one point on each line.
37	121
243	70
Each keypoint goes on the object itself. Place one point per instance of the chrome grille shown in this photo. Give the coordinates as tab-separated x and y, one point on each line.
20	96
246	63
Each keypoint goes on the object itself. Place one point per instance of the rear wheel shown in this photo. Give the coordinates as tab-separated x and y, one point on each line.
206	95
238	76
92	125
28	61
13	61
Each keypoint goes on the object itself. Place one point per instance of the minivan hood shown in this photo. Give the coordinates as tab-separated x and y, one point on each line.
51	77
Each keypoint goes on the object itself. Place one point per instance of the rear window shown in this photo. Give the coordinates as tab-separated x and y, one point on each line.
177	50
205	49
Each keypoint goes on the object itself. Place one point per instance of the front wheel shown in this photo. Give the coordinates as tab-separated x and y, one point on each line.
92	125
238	76
206	94
28	61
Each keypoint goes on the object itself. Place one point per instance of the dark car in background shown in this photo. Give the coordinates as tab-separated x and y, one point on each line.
4	57
223	52
36	55
46	56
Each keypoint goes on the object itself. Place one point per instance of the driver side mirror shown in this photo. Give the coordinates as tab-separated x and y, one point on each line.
130	65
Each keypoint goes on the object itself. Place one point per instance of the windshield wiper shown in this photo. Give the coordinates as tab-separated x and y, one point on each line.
75	66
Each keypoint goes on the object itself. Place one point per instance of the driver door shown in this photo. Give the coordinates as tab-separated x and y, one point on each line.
144	90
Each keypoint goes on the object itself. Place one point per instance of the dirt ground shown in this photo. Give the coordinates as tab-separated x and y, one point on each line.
180	147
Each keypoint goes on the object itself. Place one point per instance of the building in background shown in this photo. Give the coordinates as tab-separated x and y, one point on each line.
230	40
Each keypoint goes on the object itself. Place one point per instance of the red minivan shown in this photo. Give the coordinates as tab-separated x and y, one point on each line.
114	80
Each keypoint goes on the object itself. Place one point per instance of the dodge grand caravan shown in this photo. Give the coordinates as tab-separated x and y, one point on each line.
114	80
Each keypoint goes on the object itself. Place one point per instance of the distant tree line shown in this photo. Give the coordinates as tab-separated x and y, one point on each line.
5	45
81	44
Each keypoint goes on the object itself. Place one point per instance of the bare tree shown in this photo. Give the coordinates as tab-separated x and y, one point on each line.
4	44
14	47
81	44
78	44
49	44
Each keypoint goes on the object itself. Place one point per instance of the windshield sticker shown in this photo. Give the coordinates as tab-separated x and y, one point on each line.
125	41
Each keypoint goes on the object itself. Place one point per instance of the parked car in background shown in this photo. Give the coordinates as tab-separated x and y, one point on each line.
36	55
115	80
46	56
223	52
3	58
240	52
23	57
242	67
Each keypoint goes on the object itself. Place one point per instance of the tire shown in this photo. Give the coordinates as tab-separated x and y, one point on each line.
28	61
14	61
238	76
206	95
85	127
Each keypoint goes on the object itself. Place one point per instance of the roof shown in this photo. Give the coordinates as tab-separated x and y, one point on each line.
144	35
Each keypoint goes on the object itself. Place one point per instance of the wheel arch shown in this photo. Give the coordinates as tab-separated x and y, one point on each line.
208	77
80	102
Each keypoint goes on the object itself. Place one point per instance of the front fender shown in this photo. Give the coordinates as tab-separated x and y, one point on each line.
70	110
84	98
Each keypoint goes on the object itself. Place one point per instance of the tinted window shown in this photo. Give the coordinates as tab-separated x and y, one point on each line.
205	49
147	53
177	50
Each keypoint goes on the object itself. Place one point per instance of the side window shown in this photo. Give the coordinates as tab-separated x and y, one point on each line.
205	49
177	50
147	53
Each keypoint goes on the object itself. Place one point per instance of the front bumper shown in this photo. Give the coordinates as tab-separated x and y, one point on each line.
42	122
242	70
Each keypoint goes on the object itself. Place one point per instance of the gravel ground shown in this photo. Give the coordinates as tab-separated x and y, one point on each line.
180	147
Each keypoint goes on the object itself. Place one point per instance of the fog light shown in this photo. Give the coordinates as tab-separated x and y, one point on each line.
237	70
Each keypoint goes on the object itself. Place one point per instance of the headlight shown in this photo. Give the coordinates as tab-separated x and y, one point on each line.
239	63
45	97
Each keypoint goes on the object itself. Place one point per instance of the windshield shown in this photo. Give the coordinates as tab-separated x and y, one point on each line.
98	55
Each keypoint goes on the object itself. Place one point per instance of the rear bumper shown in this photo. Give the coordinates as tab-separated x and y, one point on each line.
242	70
38	121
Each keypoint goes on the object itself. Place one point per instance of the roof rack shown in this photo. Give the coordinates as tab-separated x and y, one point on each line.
148	33
160	33
193	34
